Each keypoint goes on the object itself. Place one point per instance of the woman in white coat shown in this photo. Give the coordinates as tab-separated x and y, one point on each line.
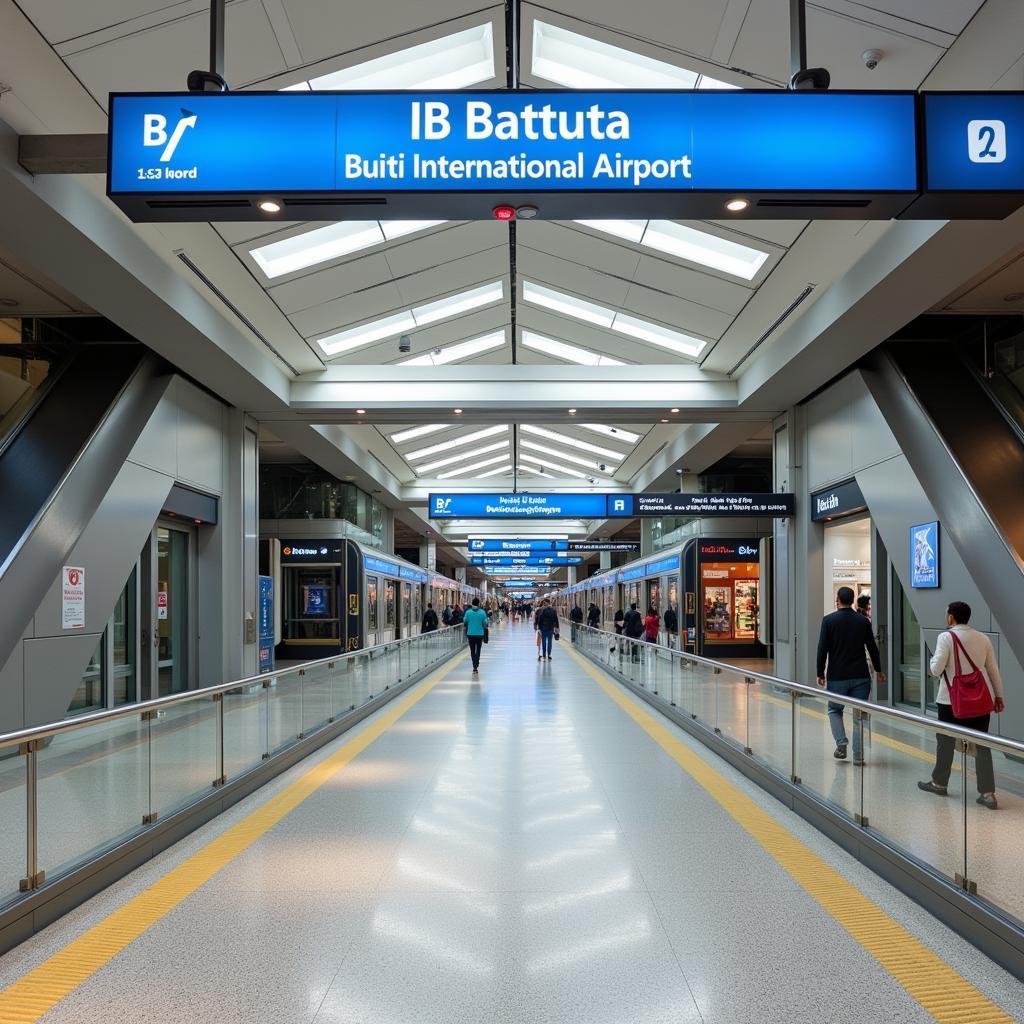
943	666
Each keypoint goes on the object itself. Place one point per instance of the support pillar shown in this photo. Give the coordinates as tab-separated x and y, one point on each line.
428	556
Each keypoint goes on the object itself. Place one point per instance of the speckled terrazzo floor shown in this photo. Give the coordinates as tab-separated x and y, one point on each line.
511	850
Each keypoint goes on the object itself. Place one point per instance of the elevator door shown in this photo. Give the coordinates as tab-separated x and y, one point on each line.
171	610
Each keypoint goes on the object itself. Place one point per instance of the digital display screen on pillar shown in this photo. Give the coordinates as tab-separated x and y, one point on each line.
456	154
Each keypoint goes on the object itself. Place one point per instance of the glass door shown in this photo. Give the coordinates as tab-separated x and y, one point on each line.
171	626
907	649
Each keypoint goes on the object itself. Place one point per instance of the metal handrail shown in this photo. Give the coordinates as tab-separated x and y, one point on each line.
989	740
111	714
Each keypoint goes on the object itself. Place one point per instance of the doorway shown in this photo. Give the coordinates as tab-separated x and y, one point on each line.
170	608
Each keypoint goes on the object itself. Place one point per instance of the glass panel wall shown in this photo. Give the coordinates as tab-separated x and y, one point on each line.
172	610
124	637
89	695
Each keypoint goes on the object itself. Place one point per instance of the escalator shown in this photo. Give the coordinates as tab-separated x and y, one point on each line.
948	388
61	445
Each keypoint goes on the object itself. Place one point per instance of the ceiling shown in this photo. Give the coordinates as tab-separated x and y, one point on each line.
482	303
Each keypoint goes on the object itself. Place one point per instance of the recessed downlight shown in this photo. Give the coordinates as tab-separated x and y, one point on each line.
737	205
360	412
270	205
458	412
673	410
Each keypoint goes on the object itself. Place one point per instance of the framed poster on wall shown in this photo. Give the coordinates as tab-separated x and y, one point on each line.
924	556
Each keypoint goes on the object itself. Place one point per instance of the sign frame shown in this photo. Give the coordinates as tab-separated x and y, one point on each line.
924	577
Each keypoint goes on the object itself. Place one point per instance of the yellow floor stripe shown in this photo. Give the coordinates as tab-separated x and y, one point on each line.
38	991
946	995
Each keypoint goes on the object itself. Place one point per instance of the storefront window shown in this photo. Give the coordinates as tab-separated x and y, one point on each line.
389	602
371	602
847	559
310	610
731	601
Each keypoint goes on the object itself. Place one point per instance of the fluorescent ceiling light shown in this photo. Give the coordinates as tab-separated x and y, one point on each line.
655	334
451	459
428	428
552	466
367	334
462	471
580	62
458	442
630	230
687	243
570	442
463	350
569	353
330	243
576	459
617	432
454	61
623	323
579	309
452	305
705	249
507	468
409	319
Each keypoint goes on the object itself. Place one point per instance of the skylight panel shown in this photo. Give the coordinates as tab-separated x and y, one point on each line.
575	459
462	471
452	459
580	62
570	305
413	432
454	61
554	467
655	334
452	305
507	468
330	243
630	230
704	248
617	432
367	334
463	350
571	442
457	442
409	319
569	353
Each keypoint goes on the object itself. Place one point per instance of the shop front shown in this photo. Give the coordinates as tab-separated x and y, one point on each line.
728	602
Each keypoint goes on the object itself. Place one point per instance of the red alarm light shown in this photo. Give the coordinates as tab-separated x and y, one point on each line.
504	212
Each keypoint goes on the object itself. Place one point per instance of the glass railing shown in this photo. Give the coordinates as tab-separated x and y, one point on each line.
784	726
73	790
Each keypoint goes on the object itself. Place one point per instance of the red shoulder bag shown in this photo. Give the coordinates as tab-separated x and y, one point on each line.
969	695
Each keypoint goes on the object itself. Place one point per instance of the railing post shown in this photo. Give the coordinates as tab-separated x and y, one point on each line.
965	747
746	694
717	673
33	876
149	717
218	699
330	691
267	683
794	696
302	711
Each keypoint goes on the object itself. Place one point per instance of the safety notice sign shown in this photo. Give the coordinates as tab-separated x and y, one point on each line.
72	605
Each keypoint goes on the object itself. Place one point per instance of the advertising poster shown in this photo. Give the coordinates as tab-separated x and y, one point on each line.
72	604
924	556
315	601
717	612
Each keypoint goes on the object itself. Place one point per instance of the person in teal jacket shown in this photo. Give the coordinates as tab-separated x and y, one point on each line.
475	621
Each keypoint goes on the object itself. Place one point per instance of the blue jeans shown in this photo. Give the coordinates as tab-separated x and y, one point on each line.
859	688
546	636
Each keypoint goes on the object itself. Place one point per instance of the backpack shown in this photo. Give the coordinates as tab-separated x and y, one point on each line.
968	692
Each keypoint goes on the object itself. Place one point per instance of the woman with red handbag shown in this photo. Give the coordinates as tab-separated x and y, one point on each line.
970	690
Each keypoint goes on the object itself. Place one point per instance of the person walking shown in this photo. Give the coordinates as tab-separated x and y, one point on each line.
844	636
864	605
652	626
575	618
475	620
961	655
593	616
633	627
547	625
618	623
446	615
458	614
429	623
671	626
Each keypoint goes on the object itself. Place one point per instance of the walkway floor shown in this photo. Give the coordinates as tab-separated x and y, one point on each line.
534	847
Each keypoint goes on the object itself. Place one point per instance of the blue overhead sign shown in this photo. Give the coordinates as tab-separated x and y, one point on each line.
512	546
552	560
379	565
663	565
517	506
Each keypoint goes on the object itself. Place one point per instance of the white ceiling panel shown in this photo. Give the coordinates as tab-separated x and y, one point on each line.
311	290
59	21
160	58
444	244
577	244
689	317
323	28
835	42
945	15
1001	292
588	284
245	231
552	325
348	311
478	268
690	27
714	292
781	232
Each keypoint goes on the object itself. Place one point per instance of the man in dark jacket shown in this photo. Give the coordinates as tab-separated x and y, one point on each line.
671	625
844	636
593	616
429	623
633	627
547	624
575	618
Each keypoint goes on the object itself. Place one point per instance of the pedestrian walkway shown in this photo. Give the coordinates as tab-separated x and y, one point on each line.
534	846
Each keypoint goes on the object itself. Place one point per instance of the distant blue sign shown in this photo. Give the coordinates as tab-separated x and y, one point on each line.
379	565
689	140
517	506
266	624
635	573
512	546
974	142
664	565
552	560
407	572
924	556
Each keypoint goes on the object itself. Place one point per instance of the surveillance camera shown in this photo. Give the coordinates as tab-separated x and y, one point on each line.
591	479
679	472
871	59
602	467
405	343
436	351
